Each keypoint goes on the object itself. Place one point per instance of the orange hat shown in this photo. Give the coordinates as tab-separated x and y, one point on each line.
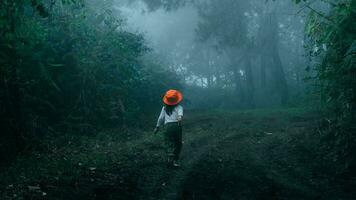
172	97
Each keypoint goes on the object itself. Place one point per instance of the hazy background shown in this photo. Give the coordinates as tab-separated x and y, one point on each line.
265	83
211	66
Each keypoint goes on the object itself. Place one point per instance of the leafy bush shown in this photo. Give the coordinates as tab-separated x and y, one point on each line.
71	66
333	44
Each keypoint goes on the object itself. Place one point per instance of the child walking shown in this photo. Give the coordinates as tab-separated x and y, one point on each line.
171	117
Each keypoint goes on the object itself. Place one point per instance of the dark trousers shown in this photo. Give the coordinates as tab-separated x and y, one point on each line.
173	140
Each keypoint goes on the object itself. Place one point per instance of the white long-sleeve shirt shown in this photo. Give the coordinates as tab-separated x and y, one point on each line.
176	115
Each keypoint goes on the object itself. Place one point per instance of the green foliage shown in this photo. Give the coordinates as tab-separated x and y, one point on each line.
299	1
167	4
333	44
71	66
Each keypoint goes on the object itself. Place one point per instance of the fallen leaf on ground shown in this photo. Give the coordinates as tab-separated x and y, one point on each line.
33	188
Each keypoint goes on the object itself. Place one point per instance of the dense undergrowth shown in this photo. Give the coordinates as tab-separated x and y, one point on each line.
70	66
332	44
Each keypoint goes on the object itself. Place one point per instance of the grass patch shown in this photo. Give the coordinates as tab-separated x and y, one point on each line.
129	164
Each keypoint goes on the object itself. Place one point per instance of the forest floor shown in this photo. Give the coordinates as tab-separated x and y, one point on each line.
257	154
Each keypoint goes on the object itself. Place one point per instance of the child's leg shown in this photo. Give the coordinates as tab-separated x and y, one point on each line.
169	142
177	142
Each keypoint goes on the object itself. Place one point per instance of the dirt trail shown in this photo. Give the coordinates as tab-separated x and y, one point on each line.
194	149
226	155
243	156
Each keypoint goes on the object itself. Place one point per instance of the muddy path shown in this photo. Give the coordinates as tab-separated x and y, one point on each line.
272	154
244	156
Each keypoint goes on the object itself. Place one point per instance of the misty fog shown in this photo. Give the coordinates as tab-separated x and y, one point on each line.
175	37
177	99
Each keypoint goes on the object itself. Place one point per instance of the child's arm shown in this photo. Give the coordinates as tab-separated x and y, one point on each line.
180	114
160	121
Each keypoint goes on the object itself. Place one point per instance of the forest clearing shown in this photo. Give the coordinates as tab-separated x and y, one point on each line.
254	154
177	99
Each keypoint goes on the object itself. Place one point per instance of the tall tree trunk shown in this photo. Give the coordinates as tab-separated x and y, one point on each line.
238	86
279	74
264	59
250	87
281	82
13	109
